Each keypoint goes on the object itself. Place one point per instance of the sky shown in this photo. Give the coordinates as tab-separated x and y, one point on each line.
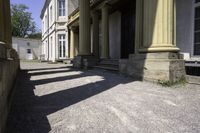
35	7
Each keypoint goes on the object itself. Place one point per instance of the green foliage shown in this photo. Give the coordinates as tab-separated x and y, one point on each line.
35	36
22	21
181	81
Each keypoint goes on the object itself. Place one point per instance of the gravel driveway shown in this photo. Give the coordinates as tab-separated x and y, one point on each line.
58	99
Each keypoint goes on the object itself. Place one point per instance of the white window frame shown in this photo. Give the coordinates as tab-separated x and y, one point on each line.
61	9
62	46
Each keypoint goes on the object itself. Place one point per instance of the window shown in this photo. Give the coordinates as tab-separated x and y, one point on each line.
196	1
46	23
62	46
51	14
29	51
197	28
43	27
51	47
61	7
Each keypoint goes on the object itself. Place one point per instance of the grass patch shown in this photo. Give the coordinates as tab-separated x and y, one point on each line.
181	81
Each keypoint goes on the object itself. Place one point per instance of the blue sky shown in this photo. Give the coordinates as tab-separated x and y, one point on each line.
35	7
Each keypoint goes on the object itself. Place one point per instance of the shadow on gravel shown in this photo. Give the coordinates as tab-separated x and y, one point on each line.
29	112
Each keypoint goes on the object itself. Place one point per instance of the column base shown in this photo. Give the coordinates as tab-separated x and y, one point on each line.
3	52
159	49
155	67
84	61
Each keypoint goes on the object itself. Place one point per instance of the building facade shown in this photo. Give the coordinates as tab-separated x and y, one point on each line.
27	49
54	32
146	37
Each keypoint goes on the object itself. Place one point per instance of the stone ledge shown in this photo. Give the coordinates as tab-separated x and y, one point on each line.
7	53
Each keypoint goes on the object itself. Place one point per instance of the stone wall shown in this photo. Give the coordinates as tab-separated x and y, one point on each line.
72	5
9	66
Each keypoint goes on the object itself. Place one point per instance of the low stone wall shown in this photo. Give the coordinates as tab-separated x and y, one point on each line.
9	66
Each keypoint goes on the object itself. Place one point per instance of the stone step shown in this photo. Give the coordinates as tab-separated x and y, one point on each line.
107	67
113	62
193	79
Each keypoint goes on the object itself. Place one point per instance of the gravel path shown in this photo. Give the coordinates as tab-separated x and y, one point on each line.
58	99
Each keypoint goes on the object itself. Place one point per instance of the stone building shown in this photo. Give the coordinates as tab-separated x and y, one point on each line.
9	62
27	49
54	32
142	38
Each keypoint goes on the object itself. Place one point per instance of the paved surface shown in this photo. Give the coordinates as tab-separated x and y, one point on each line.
57	99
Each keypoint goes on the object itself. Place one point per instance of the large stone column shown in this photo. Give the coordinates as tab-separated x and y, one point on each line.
159	26
3	50
1	22
72	43
7	23
157	58
105	31
84	58
95	33
85	39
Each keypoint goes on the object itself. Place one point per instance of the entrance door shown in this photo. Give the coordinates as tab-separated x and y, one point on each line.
128	28
29	55
62	46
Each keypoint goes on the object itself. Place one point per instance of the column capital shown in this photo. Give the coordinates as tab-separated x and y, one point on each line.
106	5
72	28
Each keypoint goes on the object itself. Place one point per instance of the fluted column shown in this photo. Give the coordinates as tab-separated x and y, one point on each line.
95	32
139	25
1	22
85	37
105	31
72	43
158	26
76	44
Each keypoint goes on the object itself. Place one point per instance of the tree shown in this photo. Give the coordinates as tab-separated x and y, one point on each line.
22	21
36	35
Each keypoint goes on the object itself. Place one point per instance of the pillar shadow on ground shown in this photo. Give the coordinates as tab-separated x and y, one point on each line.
29	112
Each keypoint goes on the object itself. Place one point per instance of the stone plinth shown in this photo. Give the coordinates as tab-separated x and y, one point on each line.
156	67
84	61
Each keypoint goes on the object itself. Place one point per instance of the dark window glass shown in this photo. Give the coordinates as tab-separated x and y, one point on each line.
63	48
60	49
197	25
197	49
197	37
61	7
197	12
28	51
196	1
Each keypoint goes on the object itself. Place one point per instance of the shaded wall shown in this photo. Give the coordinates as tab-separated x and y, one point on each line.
8	72
185	25
72	5
115	35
